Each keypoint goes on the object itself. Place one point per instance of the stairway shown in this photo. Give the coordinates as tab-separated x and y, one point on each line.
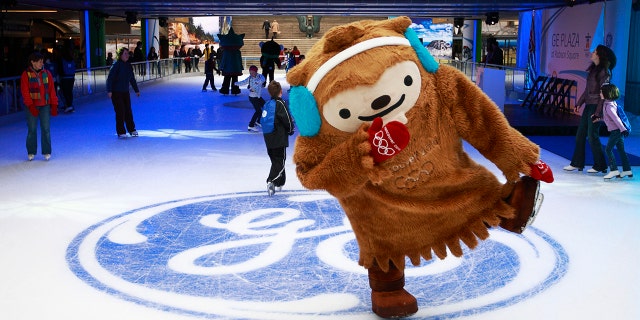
290	34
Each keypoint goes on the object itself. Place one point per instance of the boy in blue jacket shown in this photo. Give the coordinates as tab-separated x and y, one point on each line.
277	126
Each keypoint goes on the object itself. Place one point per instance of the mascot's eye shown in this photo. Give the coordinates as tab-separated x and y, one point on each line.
345	113
408	81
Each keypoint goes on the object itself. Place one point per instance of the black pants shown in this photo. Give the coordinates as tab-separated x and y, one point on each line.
208	79
277	174
124	116
228	82
267	73
66	85
257	106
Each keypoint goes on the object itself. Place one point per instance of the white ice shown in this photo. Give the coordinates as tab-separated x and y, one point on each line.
196	144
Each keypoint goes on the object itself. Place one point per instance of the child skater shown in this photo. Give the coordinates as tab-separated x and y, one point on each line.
277	126
617	132
255	82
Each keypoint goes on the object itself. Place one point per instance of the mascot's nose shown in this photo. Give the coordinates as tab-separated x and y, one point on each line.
380	102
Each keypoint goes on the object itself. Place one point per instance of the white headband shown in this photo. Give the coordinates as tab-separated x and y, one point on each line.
350	52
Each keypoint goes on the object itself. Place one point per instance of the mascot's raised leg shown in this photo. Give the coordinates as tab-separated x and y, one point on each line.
389	299
526	199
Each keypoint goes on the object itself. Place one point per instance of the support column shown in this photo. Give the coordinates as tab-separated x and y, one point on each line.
469	41
94	39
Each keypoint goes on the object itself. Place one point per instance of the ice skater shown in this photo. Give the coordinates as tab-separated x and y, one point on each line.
255	81
617	132
277	126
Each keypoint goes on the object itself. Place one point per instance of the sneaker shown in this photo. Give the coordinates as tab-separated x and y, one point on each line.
122	136
31	156
204	90
258	125
612	174
253	129
592	170
626	174
571	168
69	109
134	133
214	89
271	189
278	188
47	156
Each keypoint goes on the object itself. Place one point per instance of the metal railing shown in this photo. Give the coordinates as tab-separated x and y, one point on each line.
92	81
515	86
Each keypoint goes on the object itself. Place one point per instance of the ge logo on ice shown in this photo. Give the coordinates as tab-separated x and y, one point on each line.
291	256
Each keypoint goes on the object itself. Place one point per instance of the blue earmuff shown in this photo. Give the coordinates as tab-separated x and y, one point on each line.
304	107
427	60
304	110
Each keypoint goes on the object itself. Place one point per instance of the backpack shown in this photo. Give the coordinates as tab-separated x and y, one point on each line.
68	68
623	118
268	116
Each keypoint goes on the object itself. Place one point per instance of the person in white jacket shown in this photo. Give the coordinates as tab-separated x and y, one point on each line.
255	81
617	132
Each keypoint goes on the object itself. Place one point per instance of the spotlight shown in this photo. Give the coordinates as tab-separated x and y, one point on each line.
162	21
458	22
132	17
492	18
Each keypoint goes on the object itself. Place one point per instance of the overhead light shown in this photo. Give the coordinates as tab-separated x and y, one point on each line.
492	18
132	17
458	22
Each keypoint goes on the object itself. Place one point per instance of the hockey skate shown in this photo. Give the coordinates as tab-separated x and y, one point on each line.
526	199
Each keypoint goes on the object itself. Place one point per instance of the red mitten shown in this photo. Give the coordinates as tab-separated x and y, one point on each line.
54	110
541	171
387	141
33	110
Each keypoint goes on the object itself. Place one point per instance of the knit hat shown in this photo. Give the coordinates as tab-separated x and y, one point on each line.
253	68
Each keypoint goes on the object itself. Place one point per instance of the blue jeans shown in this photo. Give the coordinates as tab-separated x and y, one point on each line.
44	114
589	131
616	139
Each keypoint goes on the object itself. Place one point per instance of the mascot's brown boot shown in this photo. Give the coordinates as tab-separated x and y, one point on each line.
526	199
389	299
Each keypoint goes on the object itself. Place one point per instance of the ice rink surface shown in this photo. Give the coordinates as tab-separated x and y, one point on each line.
176	224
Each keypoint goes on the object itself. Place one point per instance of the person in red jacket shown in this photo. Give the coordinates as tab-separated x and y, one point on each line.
39	97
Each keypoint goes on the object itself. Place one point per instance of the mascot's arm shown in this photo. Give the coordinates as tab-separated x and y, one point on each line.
480	122
342	169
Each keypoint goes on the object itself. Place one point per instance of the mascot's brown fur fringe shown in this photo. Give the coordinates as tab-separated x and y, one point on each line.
431	195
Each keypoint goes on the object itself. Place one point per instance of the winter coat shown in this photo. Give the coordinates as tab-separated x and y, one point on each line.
255	85
282	128
610	116
47	95
595	79
120	76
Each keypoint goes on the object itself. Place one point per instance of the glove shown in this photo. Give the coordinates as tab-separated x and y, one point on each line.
387	141
541	171
625	133
33	110
54	110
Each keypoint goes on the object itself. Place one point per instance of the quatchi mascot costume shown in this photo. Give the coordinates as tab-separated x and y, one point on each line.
381	128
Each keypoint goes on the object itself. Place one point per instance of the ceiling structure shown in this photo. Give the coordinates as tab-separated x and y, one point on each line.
475	9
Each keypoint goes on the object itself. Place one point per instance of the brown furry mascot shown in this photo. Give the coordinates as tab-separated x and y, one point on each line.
381	128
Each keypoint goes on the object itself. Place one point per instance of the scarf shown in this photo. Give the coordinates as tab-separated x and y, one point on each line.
34	84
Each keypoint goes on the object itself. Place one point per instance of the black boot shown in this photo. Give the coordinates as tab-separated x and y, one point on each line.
525	199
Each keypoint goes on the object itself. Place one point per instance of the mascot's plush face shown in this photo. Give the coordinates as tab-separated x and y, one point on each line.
390	97
356	73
